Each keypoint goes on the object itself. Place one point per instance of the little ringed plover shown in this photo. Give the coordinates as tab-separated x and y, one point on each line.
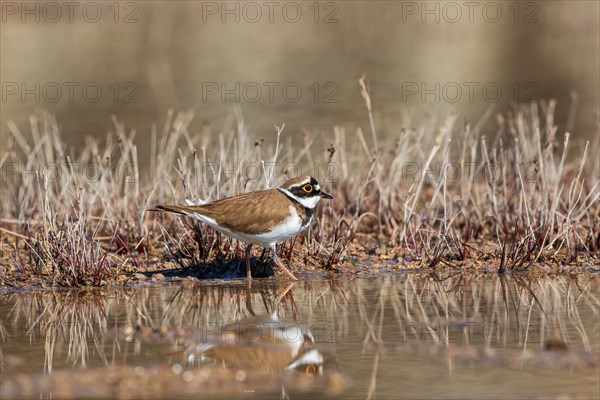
264	217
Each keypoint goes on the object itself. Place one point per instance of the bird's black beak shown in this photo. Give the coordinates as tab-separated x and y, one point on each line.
325	195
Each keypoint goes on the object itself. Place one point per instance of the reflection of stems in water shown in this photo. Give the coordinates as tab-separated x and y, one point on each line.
384	292
496	312
377	340
71	317
373	381
507	312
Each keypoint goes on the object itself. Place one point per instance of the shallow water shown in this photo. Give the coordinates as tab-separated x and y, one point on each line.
391	336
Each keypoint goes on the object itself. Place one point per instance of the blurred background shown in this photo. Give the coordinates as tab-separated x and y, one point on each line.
296	63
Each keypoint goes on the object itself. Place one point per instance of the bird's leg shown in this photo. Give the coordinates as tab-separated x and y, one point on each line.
248	253
280	264
281	295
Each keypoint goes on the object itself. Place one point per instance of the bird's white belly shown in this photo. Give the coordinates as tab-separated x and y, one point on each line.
286	230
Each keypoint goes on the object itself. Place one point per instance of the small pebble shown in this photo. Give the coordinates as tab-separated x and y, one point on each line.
240	375
188	376
177	368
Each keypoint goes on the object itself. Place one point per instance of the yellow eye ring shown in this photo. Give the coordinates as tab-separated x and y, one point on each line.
307	188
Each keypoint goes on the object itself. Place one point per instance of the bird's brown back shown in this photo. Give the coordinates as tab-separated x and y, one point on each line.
246	213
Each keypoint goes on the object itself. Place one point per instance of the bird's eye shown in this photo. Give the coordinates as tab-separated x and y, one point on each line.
310	369
307	188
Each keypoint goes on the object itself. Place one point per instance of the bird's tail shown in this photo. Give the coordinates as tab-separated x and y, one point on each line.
168	208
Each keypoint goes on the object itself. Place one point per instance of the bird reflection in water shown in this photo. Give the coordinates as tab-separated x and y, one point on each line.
261	343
